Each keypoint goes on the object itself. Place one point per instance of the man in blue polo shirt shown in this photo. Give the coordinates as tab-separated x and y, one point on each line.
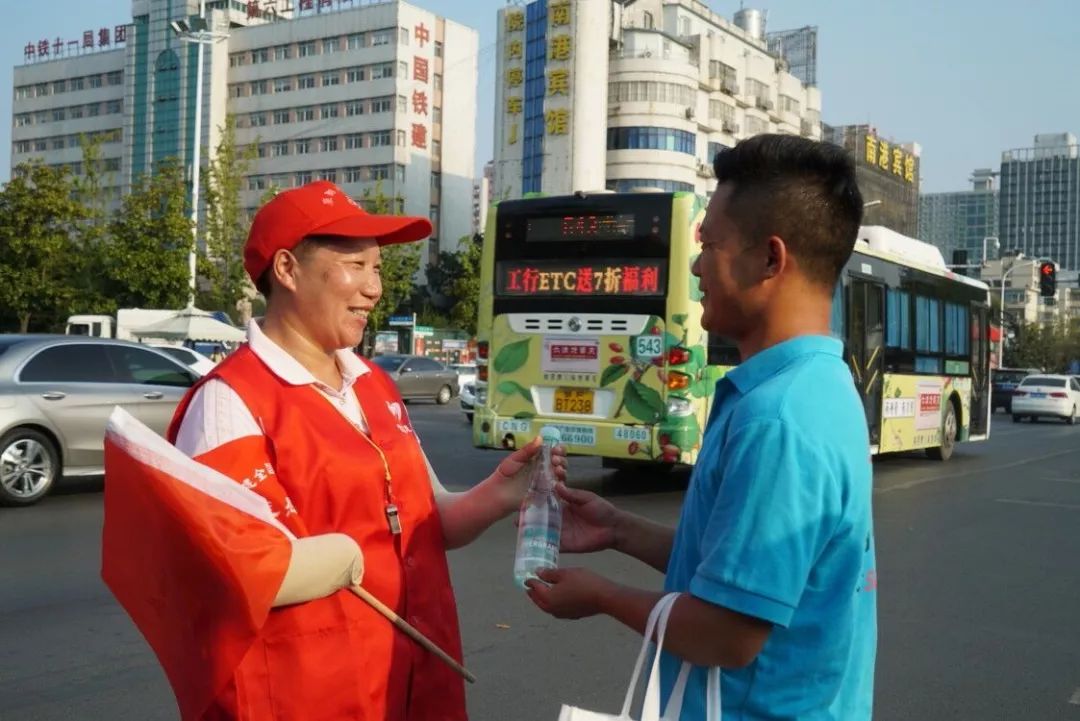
773	555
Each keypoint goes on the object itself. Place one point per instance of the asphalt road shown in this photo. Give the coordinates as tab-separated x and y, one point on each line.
979	581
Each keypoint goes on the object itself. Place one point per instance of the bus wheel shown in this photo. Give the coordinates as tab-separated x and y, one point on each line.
948	436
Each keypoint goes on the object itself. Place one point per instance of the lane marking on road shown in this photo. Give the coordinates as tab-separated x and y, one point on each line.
1074	481
974	471
1043	504
1075	699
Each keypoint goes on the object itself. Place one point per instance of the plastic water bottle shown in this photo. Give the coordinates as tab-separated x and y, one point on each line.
540	517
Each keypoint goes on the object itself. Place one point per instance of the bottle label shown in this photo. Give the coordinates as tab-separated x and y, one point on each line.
540	544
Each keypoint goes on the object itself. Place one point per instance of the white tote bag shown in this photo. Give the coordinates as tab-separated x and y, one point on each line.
650	710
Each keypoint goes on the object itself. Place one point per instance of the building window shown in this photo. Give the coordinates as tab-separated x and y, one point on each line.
306	50
40	146
719	110
282	85
436	180
380	139
625	185
257	120
237	91
303	147
332	77
647	138
383	70
59	143
382	105
306	82
281	117
379	172
278	150
330	175
354	141
402	104
356	75
354	108
754	125
399	173
76	112
436	115
93	110
438	49
436	149
647	21
403	69
382	37
328	144
116	77
283	52
76	84
260	87
356	41
403	36
330	110
262	55
437	82
401	138
114	106
58	87
257	182
354	175
58	115
789	104
305	115
330	45
303	178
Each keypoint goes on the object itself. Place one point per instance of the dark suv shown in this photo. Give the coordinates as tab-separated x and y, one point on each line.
1004	382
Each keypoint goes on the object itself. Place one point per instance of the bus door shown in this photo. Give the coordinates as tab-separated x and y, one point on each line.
980	370
866	347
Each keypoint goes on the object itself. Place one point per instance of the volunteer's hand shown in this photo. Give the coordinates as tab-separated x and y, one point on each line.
588	521
569	592
320	566
513	472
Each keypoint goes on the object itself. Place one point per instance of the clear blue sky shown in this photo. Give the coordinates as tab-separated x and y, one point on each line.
965	79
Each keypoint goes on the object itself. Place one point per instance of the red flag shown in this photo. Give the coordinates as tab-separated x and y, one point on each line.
194	558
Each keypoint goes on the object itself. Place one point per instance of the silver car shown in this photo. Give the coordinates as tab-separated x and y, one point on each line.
56	394
419	377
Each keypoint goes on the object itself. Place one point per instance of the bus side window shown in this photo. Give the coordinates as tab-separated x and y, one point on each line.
836	320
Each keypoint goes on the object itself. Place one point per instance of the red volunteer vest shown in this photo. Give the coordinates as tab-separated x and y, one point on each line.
336	659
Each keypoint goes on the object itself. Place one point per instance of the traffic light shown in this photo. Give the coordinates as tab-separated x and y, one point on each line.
1047	279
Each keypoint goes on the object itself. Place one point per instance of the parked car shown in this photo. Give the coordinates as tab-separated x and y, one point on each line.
56	394
194	360
466	373
1003	382
1046	395
468	400
420	377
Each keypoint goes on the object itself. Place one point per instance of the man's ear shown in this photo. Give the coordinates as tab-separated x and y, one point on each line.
284	266
776	257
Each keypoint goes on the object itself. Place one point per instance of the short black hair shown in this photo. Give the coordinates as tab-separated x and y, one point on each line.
801	190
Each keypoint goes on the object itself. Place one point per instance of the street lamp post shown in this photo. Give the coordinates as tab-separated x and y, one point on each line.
1001	308
200	34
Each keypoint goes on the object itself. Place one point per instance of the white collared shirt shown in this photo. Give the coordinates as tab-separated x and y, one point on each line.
218	415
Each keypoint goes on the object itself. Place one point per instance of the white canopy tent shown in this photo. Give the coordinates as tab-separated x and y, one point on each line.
194	325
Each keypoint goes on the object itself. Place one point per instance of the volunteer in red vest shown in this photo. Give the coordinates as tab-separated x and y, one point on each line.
323	436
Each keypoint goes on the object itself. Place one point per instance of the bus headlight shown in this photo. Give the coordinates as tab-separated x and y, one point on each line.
679	407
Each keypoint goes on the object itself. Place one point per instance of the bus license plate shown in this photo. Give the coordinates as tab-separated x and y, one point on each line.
573	400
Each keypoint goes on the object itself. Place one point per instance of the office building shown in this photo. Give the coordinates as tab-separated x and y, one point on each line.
348	91
594	94
1040	200
965	220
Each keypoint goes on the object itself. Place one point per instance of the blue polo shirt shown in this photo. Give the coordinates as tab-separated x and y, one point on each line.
777	525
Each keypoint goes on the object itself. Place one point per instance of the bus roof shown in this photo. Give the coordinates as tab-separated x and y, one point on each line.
887	244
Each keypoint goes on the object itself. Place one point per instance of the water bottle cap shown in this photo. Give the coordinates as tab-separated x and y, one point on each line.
550	435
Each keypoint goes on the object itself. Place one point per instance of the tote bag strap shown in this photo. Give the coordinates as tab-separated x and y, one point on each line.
650	627
650	710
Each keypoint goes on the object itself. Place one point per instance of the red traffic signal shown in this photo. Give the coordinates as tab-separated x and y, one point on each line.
1047	279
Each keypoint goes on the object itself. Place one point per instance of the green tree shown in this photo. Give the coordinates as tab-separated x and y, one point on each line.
400	262
454	283
38	214
91	232
221	262
146	258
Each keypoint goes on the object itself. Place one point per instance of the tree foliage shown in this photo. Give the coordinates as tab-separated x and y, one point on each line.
400	262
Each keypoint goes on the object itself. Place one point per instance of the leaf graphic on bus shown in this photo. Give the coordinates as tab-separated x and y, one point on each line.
524	415
643	402
701	388
509	388
512	357
679	318
612	374
670	341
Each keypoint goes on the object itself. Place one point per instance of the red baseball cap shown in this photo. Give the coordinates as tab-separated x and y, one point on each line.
320	208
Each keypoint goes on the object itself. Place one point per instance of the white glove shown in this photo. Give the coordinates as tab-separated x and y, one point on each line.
320	566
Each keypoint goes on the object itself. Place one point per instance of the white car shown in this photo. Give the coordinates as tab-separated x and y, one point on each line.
466	373
192	359
1046	395
468	400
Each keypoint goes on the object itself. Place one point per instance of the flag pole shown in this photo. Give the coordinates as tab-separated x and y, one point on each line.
412	633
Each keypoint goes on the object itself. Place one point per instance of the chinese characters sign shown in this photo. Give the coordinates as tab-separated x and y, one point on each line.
421	75
514	27
560	53
590	279
889	158
91	39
